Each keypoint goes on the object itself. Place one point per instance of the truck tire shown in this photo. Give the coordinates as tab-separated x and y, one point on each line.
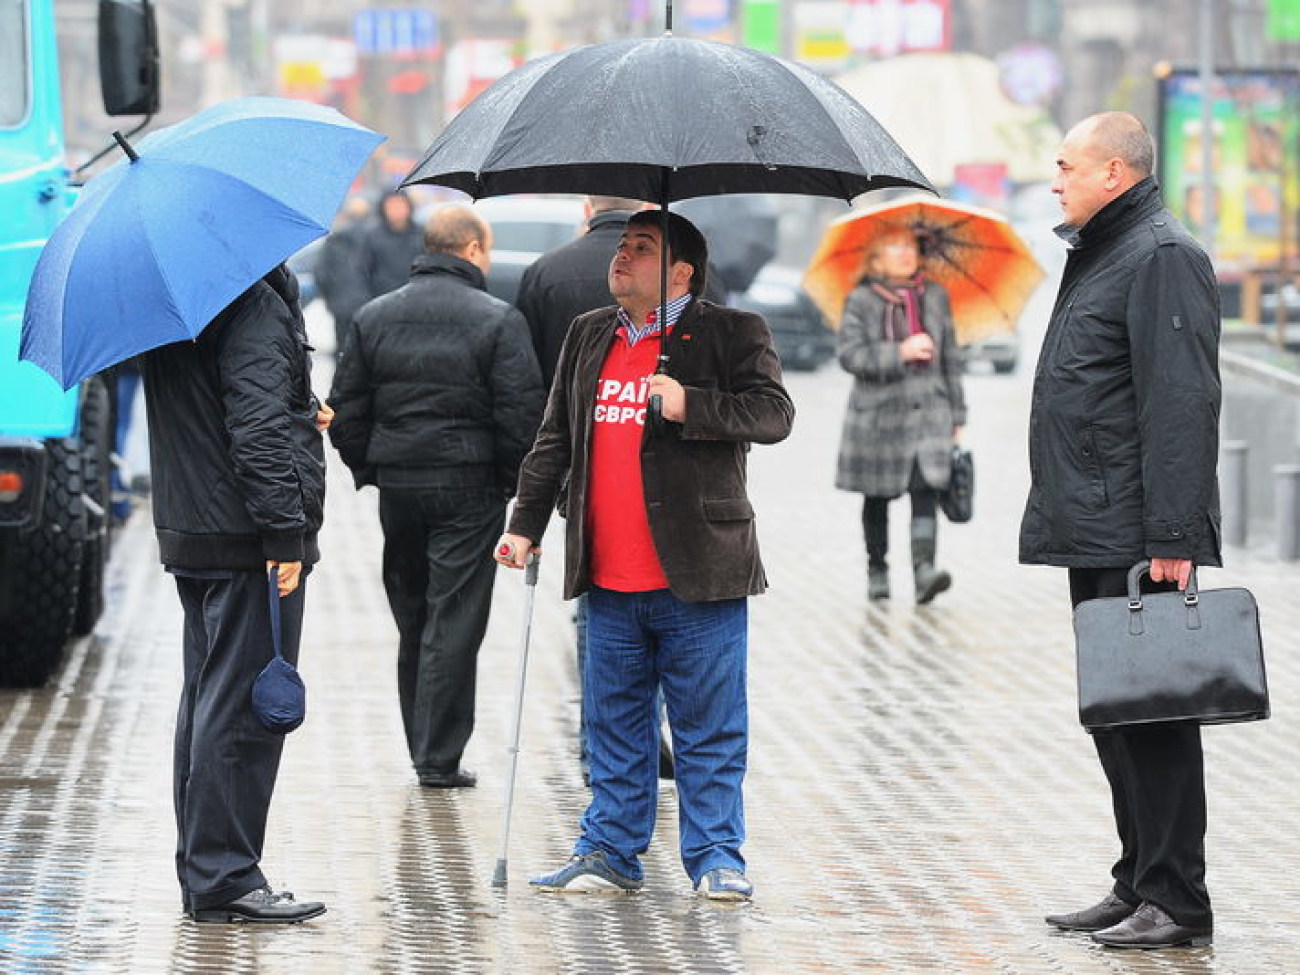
33	636
96	465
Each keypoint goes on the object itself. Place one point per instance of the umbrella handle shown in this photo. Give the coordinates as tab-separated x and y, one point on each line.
655	414
655	407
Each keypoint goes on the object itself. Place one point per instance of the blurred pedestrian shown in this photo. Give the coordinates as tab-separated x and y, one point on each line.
660	536
238	477
437	398
126	377
558	287
389	244
1123	441
907	407
340	266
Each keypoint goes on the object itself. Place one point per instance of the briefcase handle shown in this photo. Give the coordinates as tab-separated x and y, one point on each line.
1190	598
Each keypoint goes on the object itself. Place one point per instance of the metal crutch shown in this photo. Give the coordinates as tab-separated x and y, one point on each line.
530	593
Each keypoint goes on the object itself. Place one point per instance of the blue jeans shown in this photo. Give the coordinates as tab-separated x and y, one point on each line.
636	643
580	635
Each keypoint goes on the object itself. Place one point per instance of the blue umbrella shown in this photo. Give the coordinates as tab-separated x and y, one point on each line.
161	242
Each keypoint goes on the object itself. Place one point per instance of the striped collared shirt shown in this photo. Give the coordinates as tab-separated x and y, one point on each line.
635	334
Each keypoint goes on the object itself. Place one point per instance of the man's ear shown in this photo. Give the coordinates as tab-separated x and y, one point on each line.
682	272
1115	169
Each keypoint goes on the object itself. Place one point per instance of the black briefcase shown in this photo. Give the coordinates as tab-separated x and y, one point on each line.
1172	656
958	502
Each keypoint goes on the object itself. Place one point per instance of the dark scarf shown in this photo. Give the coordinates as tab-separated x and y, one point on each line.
902	316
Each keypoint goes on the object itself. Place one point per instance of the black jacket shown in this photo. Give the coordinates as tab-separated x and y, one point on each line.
340	272
387	254
438	380
1123	433
237	464
567	282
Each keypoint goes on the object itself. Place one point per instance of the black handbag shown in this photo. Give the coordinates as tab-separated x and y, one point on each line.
279	697
958	502
1169	656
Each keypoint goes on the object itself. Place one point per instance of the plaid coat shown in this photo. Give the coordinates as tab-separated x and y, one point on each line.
897	413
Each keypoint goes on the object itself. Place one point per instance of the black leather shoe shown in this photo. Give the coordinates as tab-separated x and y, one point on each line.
462	778
261	906
1109	912
1150	927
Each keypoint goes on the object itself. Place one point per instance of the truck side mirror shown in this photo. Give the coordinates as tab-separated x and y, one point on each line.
128	57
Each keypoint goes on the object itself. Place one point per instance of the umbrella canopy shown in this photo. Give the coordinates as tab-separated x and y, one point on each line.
665	119
974	253
158	244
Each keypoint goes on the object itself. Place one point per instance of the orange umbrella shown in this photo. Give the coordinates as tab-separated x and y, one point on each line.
974	253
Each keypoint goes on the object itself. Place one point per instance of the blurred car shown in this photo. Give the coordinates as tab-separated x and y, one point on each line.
303	265
1002	352
802	338
523	229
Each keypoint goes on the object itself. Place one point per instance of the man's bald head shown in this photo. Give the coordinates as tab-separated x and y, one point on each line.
453	227
1122	136
1100	159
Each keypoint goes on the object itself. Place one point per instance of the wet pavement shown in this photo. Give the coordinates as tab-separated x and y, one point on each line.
920	791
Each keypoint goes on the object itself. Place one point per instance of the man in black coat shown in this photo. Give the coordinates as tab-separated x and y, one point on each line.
573	279
437	399
389	244
340	267
1123	441
238	474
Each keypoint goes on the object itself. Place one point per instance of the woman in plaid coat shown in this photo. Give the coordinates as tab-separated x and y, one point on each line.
907	407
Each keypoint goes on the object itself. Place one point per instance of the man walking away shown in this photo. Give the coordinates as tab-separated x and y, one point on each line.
437	398
1123	440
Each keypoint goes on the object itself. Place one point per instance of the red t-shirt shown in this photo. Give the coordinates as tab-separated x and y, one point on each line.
623	556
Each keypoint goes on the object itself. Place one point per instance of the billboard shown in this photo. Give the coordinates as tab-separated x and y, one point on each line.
1256	162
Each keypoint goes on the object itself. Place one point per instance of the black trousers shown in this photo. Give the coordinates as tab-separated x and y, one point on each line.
1157	785
439	574
225	763
875	515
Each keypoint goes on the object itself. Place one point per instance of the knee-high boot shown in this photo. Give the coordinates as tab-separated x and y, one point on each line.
876	524
930	581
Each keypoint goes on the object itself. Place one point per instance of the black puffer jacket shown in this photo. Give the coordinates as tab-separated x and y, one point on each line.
1123	434
238	466
438	380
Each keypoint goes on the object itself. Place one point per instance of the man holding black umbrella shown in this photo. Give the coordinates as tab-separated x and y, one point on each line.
660	536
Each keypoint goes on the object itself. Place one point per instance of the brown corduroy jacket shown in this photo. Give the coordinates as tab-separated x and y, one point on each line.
693	474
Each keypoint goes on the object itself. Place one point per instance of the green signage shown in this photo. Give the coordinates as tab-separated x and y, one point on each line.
760	25
1283	20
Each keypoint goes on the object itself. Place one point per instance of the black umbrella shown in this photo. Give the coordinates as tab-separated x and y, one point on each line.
665	119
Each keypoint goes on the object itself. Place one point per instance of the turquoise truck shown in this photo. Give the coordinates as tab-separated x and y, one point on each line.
56	447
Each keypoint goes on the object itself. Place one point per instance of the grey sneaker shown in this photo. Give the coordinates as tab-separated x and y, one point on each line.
587	873
725	884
